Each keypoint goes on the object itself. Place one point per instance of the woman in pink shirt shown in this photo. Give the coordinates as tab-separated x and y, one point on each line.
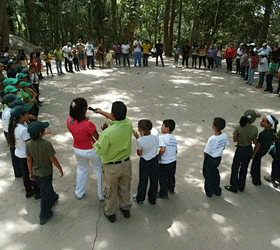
84	134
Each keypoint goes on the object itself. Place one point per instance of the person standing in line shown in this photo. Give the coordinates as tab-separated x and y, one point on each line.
269	75
114	146
66	53
89	50
219	57
137	46
125	52
75	58
185	54
117	50
211	57
47	58
81	54
239	53
58	58
194	55
230	54
176	51
202	54
146	52
262	68
100	54
3	76
159	49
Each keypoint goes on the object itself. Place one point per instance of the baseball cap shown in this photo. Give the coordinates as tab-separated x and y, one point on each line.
19	110
264	44
69	43
10	89
17	102
25	71
19	76
251	114
241	44
10	81
9	98
262	53
11	62
25	84
36	127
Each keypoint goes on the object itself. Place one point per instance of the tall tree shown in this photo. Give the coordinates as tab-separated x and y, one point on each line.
32	21
4	28
266	20
166	26
114	19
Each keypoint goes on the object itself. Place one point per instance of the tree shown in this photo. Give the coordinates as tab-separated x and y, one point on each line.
4	28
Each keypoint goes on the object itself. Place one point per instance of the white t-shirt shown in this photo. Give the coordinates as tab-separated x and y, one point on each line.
109	57
125	48
170	143
34	79
263	67
139	45
89	49
21	135
66	51
216	144
6	115
149	145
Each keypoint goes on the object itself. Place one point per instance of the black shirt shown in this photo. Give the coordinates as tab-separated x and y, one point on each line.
266	137
159	48
186	49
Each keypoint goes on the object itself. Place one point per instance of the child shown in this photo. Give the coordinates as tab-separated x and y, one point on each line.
70	62
39	64
34	79
262	68
266	137
108	57
269	75
40	157
47	58
244	135
167	159
75	58
212	157
253	63
176	55
29	97
147	149
146	52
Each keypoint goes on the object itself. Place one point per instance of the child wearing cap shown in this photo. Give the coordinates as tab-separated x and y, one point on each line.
167	159
47	58
17	137
29	96
40	157
212	157
11	69
269	75
147	149
244	134
266	137
262	68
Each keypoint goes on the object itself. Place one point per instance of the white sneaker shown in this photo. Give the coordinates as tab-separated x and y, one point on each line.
135	200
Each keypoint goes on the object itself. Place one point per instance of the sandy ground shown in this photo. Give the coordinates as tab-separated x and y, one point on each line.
188	220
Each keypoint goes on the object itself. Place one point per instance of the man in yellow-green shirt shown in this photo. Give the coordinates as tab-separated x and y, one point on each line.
114	147
146	51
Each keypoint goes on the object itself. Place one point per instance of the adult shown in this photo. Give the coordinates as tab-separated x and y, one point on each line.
114	146
125	52
84	134
89	49
117	49
58	58
202	54
238	57
230	54
8	54
81	54
146	52
211	57
185	54
219	56
266	49
137	46
159	48
100	53
194	55
66	50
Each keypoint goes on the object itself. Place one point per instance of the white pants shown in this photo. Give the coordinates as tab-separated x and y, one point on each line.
84	156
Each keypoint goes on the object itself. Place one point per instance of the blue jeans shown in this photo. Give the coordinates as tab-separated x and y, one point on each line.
126	56
219	61
261	78
58	67
137	57
251	76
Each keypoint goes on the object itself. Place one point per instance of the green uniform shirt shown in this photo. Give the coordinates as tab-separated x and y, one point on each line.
40	151
245	135
114	143
272	68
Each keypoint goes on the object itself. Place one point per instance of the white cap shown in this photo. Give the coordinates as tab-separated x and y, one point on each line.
262	53
252	44
264	44
241	44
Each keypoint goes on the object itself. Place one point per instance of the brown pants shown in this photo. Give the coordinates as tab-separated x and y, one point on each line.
116	186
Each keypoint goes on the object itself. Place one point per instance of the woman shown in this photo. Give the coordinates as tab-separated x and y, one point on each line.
125	52
194	55
219	56
202	54
84	134
100	53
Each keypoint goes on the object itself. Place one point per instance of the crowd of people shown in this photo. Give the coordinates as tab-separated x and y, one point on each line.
109	152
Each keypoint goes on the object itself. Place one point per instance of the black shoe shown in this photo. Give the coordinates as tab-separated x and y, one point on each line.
229	188
268	178
241	189
162	196
152	203
257	183
266	90
111	218
209	195
37	196
218	191
44	220
29	194
126	213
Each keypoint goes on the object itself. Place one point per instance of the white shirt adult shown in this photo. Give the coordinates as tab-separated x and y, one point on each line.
66	51
264	66
6	115
149	145
170	143
216	144
125	48
138	44
21	136
267	50
89	49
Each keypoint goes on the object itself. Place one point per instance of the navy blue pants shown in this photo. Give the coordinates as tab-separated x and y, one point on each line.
256	167
167	178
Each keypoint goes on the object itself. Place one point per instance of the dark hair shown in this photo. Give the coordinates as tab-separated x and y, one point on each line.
38	54
243	121
275	123
119	110
145	125
78	109
169	124
32	66
219	123
11	132
36	137
106	50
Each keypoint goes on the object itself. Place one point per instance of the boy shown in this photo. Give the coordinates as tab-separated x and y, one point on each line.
147	149
40	156
212	157
167	159
146	51
269	75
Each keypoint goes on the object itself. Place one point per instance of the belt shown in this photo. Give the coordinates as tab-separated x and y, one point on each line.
118	162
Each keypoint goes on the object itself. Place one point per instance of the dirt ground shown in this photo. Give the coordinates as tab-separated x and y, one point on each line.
188	220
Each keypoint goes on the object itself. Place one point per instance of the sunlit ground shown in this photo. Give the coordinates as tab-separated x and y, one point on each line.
188	220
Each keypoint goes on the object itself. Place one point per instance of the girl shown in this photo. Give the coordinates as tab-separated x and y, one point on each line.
176	55
34	79
32	59
253	63
100	53
194	55
39	64
84	134
266	137
17	137
219	56
202	54
108	58
244	135
47	58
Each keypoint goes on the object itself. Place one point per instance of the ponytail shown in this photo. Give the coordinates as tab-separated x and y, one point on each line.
11	132
275	124
244	120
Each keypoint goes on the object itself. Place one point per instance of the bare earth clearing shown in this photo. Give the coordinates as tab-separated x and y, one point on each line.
188	220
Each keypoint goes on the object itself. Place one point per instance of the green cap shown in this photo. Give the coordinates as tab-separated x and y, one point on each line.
251	114
25	84
13	81
17	102
17	111
36	127
25	71
6	82
21	75
9	98
11	62
10	89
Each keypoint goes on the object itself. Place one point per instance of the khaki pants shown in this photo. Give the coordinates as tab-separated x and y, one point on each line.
116	186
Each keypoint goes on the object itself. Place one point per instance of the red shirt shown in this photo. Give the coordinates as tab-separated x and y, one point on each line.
81	132
230	52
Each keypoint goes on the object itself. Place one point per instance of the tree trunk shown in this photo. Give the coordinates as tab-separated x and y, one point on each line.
266	20
156	23
114	20
179	25
166	25
168	52
74	39
31	21
4	28
89	19
194	27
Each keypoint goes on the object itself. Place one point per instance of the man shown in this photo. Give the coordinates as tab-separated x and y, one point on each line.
159	48
89	49
66	53
267	50
81	54
137	45
185	53
114	146
146	52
